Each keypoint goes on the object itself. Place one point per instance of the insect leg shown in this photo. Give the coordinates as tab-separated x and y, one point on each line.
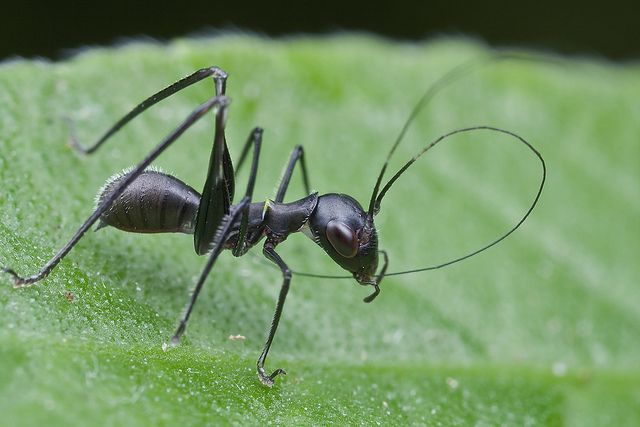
271	254
218	246
256	139
222	233
297	154
243	154
217	192
219	102
220	82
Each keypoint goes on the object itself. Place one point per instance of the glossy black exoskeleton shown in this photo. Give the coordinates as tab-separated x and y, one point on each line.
146	200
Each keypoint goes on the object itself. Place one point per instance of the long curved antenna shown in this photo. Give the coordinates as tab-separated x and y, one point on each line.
444	81
499	239
320	276
477	251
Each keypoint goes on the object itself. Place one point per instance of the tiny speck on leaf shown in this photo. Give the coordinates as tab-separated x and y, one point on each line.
69	296
452	383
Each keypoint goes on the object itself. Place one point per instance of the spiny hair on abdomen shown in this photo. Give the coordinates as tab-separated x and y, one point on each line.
155	202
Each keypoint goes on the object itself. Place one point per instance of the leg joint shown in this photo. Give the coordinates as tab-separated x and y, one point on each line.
217	72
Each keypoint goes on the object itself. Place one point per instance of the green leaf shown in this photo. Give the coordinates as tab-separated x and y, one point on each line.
540	330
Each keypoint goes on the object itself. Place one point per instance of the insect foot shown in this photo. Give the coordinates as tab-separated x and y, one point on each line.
20	282
268	380
175	339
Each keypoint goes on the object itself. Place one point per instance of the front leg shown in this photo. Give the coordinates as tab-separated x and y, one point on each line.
271	254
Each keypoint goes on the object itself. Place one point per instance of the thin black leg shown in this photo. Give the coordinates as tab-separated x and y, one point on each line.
243	154
220	82
218	246
256	139
217	191
271	254
219	102
222	233
297	154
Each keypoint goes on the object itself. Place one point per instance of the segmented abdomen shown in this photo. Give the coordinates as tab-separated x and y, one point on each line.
154	203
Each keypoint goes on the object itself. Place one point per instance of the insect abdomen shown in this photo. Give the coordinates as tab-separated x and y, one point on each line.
154	203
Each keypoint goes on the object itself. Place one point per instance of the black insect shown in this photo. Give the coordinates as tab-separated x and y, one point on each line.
145	200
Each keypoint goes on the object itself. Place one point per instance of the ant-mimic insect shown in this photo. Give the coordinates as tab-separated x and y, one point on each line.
146	200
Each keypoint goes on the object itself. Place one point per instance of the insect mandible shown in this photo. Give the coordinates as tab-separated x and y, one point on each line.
145	200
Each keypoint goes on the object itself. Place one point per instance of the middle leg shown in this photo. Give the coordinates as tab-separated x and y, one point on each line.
296	155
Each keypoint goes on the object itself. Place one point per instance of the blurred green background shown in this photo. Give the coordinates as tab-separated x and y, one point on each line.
541	330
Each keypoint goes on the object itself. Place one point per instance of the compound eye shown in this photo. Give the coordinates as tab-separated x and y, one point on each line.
342	238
